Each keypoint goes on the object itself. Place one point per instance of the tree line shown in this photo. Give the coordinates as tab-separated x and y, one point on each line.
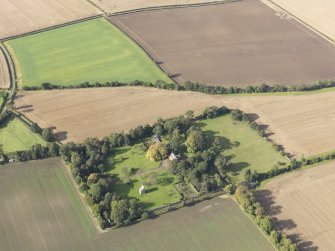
195	86
248	202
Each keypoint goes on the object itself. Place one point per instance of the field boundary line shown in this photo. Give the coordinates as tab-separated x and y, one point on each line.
252	220
12	76
141	47
174	6
329	39
96	6
82	199
51	27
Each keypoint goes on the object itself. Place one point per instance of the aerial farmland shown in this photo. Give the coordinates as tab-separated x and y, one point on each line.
281	114
167	125
50	56
293	198
53	217
24	16
262	47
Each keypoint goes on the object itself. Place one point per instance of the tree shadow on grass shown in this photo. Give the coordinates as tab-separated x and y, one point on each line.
236	168
225	142
150	190
164	181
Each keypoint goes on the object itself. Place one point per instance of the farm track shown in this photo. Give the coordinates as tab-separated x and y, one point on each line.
204	37
302	203
31	15
303	124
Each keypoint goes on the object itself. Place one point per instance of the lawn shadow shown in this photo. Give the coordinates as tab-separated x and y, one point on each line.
164	181
236	168
267	200
150	190
225	142
122	187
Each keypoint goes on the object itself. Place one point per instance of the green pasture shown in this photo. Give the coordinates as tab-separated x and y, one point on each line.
243	145
16	136
132	169
90	51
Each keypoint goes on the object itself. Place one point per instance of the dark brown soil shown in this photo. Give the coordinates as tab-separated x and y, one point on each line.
238	43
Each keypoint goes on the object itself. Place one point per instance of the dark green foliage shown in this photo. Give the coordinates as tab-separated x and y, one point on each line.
246	199
35	128
47	134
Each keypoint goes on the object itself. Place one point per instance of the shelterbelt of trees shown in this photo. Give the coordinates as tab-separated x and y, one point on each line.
196	87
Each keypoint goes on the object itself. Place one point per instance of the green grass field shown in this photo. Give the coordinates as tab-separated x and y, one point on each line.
15	136
90	51
157	180
245	147
41	210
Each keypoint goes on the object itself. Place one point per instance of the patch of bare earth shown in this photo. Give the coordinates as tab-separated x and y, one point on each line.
240	43
113	6
4	73
303	204
22	16
303	124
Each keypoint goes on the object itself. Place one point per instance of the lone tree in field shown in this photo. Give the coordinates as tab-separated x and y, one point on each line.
47	134
156	152
195	141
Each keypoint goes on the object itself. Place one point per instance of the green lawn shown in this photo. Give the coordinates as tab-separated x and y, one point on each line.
245	147
15	136
158	181
90	51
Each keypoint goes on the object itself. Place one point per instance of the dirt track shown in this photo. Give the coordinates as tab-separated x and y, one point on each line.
22	16
304	124
238	43
4	73
112	6
317	13
303	203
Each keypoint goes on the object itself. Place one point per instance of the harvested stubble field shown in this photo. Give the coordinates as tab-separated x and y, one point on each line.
89	51
40	210
22	16
4	73
317	13
113	6
238	43
303	124
303	204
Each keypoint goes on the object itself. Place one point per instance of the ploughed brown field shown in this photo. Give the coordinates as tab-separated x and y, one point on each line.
22	16
4	73
303	204
317	13
303	124
113	6
240	43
